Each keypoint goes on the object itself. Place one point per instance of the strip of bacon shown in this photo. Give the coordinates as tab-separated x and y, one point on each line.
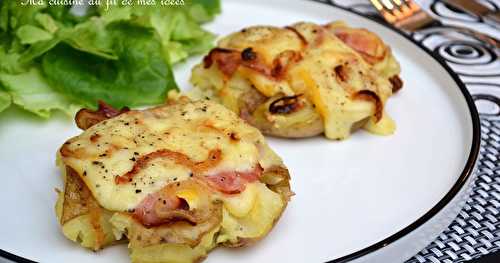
165	206
214	157
283	61
228	61
369	45
146	213
233	182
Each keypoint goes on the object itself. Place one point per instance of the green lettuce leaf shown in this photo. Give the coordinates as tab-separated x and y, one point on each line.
4	16
47	22
138	77
51	58
177	26
117	14
10	62
31	92
91	37
203	11
19	15
36	50
180	36
5	100
29	34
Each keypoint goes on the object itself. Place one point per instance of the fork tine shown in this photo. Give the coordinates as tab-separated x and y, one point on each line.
388	4
412	5
384	11
402	7
401	11
399	4
377	5
399	8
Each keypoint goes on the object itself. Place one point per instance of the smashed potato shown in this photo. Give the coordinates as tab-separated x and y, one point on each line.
302	80
174	181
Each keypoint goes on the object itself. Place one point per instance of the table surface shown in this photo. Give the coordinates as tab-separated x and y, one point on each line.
476	231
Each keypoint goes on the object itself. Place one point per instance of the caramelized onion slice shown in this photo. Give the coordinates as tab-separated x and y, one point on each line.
299	35
341	72
277	178
396	82
86	118
286	105
371	96
248	54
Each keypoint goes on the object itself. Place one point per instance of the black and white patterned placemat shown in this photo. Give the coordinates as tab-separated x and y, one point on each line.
476	230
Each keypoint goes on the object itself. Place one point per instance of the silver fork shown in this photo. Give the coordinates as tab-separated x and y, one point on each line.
407	15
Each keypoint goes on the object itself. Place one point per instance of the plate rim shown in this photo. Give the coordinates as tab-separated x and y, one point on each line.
471	159
443	202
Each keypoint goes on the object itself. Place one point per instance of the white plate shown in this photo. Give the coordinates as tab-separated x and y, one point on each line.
368	198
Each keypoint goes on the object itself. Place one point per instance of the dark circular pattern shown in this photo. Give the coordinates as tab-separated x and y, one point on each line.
453	9
448	12
465	53
491	102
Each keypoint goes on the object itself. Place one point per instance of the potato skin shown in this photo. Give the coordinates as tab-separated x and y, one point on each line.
77	223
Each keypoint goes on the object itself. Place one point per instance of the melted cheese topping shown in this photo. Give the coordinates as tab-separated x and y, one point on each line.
254	220
111	148
316	74
267	41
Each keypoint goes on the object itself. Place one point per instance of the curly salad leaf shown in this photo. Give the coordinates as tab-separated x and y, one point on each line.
52	59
